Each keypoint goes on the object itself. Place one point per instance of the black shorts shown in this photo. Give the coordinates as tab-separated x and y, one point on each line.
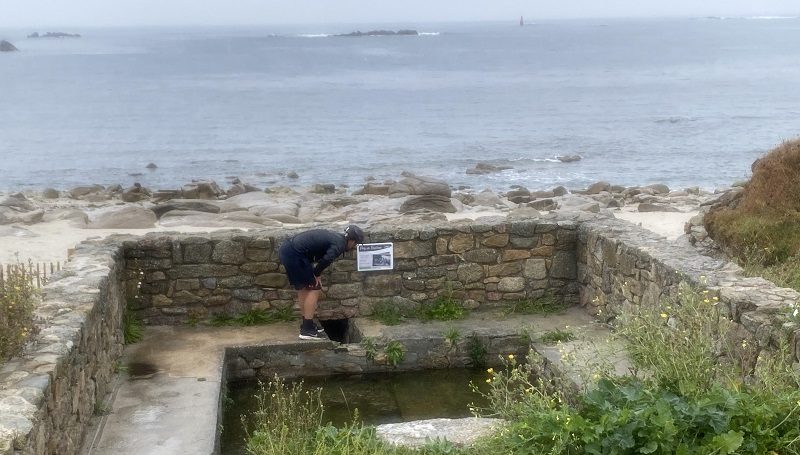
298	268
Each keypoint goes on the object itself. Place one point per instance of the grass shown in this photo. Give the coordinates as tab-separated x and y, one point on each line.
17	301
388	313
254	317
132	328
556	336
544	305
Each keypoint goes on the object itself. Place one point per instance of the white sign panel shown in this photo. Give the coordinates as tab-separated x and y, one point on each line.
375	256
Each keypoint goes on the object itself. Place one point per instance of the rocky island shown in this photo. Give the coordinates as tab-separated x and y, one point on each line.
382	33
5	46
54	35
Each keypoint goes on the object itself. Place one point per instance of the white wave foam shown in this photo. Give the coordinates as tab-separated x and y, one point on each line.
314	35
429	33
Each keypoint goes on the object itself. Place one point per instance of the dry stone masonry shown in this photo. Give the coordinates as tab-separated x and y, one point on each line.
48	396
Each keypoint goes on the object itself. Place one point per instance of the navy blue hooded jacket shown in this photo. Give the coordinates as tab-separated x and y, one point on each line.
320	247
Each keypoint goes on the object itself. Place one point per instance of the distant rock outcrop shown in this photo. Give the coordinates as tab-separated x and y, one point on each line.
54	35
5	46
382	33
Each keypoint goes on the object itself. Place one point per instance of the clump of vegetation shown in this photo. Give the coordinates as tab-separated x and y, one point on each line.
395	353
699	396
444	308
388	313
17	301
289	421
544	305
254	317
476	350
556	336
762	227
132	328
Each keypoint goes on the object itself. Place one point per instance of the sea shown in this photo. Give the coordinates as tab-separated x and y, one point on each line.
681	101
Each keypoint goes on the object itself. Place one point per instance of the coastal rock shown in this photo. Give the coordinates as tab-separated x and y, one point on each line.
77	217
201	189
197	205
5	46
16	231
544	205
80	192
323	188
126	217
487	198
598	187
373	188
275	208
646	207
51	193
519	195
292	175
9	215
569	158
659	188
429	202
560	191
19	202
151	166
459	432
243	220
135	193
418	186
486	168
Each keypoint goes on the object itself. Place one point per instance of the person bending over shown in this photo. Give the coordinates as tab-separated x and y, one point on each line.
299	254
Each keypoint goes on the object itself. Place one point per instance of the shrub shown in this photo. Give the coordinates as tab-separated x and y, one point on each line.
766	217
17	301
689	402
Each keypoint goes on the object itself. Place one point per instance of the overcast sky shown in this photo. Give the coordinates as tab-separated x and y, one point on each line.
32	13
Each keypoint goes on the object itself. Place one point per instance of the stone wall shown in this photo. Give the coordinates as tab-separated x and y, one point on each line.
48	396
179	278
621	266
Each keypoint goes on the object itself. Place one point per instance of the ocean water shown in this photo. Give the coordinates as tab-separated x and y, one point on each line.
681	101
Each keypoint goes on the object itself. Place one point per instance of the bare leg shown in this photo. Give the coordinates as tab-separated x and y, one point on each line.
307	300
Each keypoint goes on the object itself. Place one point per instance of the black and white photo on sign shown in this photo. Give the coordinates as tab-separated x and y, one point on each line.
375	256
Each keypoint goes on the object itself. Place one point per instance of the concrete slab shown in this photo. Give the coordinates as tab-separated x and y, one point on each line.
167	398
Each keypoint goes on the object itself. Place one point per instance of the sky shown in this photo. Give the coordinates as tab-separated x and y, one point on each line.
101	13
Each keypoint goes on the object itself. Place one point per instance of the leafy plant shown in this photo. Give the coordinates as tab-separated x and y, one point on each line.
17	302
395	352
132	328
556	336
476	349
444	308
370	349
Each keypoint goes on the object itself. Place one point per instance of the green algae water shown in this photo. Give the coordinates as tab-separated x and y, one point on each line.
380	398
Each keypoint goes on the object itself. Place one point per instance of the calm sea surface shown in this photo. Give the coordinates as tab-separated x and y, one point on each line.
683	101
